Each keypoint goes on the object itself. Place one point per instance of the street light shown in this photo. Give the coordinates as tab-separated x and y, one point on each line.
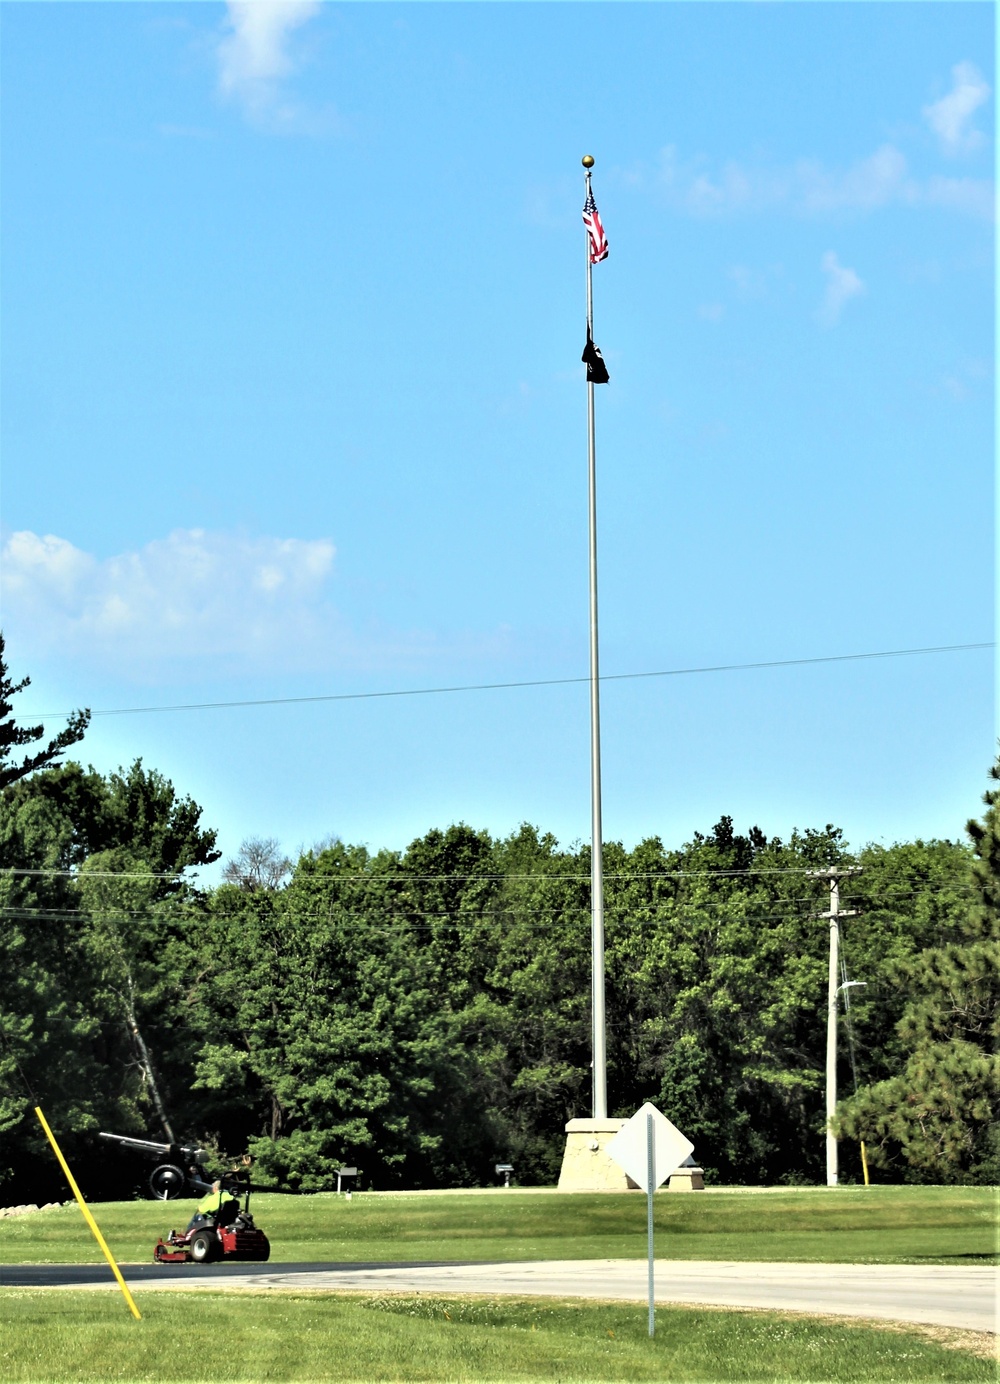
847	986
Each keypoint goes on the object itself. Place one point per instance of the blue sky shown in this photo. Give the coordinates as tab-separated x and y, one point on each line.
293	305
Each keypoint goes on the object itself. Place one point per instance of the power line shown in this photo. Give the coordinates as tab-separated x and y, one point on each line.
99	874
779	908
368	880
405	917
490	878
505	686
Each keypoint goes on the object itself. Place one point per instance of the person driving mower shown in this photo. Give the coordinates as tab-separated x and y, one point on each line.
218	1229
217	1205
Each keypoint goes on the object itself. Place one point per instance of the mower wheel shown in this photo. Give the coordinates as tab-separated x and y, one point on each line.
204	1247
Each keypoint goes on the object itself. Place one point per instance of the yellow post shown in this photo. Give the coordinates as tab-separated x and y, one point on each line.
864	1161
88	1217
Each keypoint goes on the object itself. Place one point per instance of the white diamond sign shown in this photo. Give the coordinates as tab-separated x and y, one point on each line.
630	1150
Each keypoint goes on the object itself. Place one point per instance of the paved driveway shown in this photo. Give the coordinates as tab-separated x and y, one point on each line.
944	1296
956	1296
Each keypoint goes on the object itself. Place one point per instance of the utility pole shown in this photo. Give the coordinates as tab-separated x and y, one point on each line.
833	875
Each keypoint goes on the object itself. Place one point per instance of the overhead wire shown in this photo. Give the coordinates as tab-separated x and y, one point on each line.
486	878
685	908
529	682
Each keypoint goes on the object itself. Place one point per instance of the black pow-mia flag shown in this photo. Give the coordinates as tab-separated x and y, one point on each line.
597	371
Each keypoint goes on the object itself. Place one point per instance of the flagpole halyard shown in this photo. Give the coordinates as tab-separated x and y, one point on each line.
600	1092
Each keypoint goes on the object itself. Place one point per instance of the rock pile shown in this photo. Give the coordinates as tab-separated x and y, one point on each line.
27	1209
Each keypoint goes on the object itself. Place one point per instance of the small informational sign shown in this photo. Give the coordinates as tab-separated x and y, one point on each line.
341	1173
629	1148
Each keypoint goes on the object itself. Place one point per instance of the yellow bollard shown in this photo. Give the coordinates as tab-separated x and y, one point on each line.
864	1161
88	1217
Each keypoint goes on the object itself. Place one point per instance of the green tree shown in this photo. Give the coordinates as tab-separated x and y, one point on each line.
524	1015
715	966
14	737
99	940
133	809
338	1041
937	1116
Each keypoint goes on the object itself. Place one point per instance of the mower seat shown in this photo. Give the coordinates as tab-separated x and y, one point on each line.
227	1213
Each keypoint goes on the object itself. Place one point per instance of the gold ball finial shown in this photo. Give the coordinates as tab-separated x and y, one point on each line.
587	160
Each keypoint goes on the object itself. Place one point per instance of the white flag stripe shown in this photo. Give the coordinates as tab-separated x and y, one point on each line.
592	221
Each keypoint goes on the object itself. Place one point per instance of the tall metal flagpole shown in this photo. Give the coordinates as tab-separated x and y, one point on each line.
600	1085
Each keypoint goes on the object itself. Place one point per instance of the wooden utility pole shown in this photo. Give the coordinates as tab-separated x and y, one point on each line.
833	874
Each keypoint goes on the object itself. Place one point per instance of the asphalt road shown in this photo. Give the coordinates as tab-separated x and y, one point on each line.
964	1297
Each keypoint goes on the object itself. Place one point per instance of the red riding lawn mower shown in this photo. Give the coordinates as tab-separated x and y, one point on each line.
228	1233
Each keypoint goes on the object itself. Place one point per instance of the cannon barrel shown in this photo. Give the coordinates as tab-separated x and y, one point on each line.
150	1146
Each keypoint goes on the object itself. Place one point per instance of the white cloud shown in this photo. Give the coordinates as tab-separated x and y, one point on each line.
973	196
951	117
221	602
191	594
254	54
872	182
751	284
842	284
966	380
807	187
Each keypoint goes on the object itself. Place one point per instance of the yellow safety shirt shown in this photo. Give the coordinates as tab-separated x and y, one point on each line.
213	1201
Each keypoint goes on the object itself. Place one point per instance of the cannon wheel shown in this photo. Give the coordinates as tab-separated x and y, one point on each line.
167	1181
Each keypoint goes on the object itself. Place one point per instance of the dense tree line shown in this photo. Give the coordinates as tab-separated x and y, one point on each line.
424	1013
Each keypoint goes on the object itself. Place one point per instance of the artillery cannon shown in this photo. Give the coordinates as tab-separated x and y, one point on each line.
181	1171
228	1232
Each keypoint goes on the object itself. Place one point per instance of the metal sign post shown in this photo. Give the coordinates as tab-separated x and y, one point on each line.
649	1148
650	1161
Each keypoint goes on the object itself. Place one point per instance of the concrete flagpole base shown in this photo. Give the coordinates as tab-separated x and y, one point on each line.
586	1166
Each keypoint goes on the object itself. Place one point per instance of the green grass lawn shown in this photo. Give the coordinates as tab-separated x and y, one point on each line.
83	1336
956	1225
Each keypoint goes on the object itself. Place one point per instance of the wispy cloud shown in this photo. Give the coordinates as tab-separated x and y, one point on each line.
750	284
227	602
951	117
255	57
875	181
966	381
190	594
807	187
842	284
971	196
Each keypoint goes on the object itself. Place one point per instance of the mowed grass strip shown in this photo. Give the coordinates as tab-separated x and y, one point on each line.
53	1335
956	1225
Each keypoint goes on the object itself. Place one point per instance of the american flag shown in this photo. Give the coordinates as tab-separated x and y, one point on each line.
592	221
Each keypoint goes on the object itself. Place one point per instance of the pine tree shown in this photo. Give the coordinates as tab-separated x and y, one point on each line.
13	736
940	1115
